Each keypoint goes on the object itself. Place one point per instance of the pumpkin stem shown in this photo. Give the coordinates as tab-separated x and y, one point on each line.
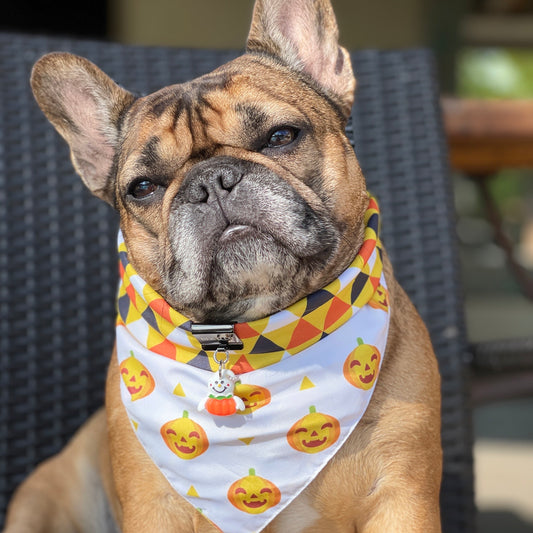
360	341
132	354
251	472
312	409
185	414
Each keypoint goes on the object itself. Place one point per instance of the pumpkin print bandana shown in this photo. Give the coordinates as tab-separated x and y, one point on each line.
304	379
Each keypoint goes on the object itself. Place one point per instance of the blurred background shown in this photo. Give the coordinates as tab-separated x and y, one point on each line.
484	50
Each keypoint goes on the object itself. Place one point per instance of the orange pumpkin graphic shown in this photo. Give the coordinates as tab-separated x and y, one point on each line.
253	396
136	377
361	367
253	494
380	299
185	437
314	432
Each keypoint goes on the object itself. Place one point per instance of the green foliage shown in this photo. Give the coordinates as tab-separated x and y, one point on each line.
495	73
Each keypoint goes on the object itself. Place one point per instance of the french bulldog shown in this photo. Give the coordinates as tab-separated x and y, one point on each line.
239	194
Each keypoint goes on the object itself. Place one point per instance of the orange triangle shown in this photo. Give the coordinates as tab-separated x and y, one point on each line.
242	366
166	348
375	282
132	294
366	250
335	311
161	308
244	331
302	333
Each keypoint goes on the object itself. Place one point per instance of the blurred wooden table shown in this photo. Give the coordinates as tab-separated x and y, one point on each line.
485	136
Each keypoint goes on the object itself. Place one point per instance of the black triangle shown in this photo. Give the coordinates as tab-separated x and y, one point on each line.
358	285
316	299
264	345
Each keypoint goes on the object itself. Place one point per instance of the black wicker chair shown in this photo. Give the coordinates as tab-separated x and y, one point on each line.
58	260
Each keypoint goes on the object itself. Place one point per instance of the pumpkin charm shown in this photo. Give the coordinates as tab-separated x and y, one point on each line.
253	494
220	400
361	367
136	377
185	437
314	432
253	396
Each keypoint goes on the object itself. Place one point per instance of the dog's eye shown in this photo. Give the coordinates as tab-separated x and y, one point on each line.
282	137
142	188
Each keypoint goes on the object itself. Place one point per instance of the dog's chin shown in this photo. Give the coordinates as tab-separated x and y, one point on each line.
252	275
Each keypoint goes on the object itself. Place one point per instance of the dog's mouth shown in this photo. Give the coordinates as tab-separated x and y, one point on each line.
235	231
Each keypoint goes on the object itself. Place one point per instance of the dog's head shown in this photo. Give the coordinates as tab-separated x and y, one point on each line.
238	192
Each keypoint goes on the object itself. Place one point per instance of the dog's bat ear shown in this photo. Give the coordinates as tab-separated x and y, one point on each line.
303	34
85	106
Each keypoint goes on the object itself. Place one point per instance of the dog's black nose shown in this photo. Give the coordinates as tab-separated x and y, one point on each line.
210	180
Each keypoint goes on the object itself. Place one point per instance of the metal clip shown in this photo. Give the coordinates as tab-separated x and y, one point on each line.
216	337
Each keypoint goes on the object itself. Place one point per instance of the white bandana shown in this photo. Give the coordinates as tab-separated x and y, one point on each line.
242	470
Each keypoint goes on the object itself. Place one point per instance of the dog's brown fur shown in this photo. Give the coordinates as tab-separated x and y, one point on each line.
386	477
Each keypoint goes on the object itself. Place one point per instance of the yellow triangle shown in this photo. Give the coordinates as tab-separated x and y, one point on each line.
247	440
154	338
133	314
135	424
306	384
178	390
299	307
192	492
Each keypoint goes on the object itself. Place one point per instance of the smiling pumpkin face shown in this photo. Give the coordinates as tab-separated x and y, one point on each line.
253	396
138	380
185	437
314	432
361	367
380	299
253	494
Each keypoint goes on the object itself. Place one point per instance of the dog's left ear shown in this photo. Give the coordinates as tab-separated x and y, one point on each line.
303	34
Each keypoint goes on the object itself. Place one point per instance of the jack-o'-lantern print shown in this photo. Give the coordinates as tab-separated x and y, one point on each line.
361	367
253	494
253	396
380	299
138	380
185	437
314	432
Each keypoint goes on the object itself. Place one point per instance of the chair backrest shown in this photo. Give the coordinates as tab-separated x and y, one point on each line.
58	268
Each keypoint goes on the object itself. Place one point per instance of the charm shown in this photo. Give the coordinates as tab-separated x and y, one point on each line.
220	399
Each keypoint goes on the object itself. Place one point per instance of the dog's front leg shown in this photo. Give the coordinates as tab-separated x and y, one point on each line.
407	512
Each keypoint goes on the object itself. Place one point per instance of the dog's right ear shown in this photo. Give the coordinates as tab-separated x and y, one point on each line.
85	106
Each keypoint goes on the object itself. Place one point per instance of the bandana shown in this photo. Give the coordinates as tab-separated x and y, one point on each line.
303	380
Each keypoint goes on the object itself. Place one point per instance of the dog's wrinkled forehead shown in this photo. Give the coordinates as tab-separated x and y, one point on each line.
229	109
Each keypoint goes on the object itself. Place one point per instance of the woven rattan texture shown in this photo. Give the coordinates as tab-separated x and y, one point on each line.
58	260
